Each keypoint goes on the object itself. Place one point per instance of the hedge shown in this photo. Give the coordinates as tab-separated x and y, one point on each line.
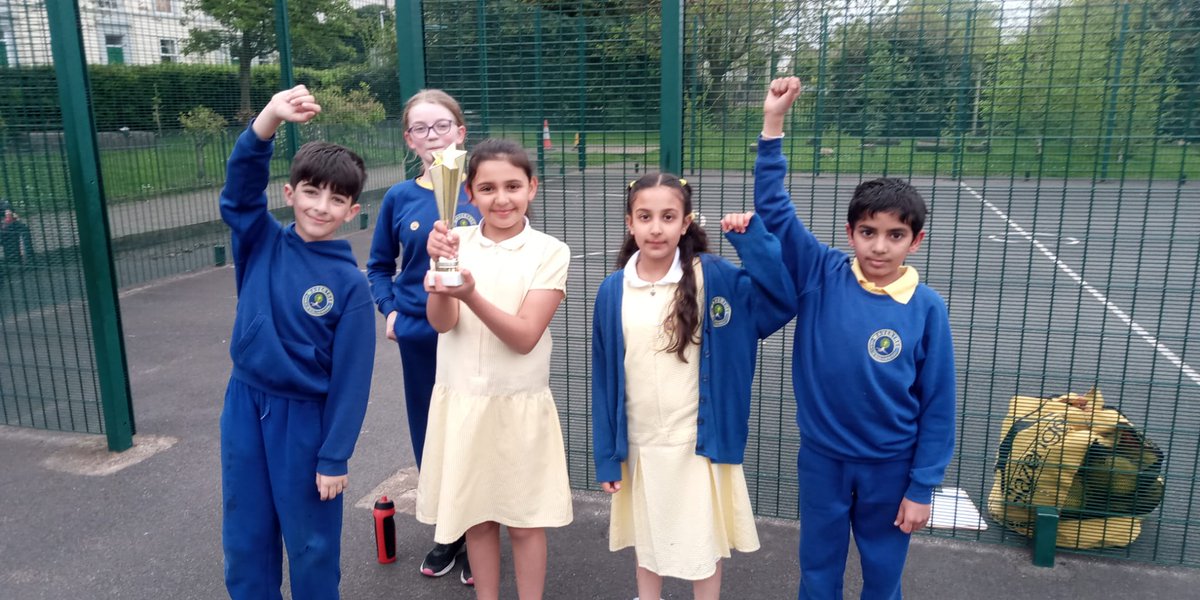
124	95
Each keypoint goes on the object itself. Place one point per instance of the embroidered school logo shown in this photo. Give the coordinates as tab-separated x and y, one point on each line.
415	225
720	311
463	219
884	345
318	300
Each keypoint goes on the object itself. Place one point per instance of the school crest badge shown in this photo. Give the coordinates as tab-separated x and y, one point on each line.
464	219
884	346
720	311
318	300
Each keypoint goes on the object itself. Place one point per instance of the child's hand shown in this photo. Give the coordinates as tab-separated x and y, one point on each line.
296	105
434	285
736	222
912	516
442	243
780	95
610	487
391	326
330	486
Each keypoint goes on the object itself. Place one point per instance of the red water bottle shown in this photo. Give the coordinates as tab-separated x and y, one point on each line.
385	530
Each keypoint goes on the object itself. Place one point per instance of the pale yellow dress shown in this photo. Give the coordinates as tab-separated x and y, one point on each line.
679	511
494	449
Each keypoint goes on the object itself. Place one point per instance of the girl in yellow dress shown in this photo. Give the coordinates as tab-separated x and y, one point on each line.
675	336
494	451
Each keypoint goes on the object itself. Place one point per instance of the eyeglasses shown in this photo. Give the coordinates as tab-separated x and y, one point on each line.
440	127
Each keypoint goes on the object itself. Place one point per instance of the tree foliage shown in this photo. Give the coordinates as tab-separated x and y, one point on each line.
246	29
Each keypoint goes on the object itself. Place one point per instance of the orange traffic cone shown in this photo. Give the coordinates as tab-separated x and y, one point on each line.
546	134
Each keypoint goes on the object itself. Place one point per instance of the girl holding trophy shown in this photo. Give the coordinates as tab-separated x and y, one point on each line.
432	121
494	454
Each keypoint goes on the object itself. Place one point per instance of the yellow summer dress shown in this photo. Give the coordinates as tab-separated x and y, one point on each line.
679	511
494	449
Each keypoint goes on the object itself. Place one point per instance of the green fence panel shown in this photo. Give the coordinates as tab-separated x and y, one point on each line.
1053	144
48	374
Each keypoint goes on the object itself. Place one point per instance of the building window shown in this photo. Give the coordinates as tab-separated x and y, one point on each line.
168	50
162	6
114	45
108	3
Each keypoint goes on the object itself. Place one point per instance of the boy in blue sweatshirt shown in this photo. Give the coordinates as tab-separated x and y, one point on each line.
873	371
302	354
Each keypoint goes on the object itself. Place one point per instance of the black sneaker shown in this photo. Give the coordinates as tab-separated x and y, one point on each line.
466	576
440	560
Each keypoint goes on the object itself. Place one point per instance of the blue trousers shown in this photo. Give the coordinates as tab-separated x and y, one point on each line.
837	498
418	355
269	450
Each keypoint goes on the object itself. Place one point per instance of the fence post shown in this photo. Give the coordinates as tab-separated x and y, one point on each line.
410	58
539	86
1110	119
963	101
83	161
671	115
818	103
284	45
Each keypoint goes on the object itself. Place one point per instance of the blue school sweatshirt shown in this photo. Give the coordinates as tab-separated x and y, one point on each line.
305	328
742	307
874	379
405	220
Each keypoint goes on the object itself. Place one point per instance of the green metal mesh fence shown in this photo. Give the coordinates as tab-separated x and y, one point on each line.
47	371
1053	140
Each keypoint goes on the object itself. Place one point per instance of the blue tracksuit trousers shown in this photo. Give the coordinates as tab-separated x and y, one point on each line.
269	450
418	357
837	498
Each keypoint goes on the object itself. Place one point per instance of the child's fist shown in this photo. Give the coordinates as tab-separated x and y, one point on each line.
296	105
736	222
781	94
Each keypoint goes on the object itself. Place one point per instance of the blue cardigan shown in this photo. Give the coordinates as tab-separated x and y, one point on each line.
744	306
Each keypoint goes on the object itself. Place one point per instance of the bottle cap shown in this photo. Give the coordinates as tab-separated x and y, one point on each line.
384	503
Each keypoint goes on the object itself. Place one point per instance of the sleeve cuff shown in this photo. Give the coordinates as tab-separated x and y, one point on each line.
919	493
608	471
249	137
332	468
766	143
386	307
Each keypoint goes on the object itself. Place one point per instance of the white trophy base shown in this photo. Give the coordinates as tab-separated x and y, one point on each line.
448	278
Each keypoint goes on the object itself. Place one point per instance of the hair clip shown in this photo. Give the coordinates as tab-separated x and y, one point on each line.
682	181
631	182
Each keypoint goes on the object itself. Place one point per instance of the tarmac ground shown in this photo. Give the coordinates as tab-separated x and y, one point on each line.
79	522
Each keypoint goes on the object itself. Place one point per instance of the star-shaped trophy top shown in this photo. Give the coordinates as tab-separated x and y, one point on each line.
448	158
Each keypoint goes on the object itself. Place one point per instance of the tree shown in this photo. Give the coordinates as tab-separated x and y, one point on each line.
203	125
246	28
1060	78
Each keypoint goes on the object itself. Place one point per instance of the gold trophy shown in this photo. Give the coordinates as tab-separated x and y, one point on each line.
446	174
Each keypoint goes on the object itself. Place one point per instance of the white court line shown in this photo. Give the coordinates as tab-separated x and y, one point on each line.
1113	308
597	253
